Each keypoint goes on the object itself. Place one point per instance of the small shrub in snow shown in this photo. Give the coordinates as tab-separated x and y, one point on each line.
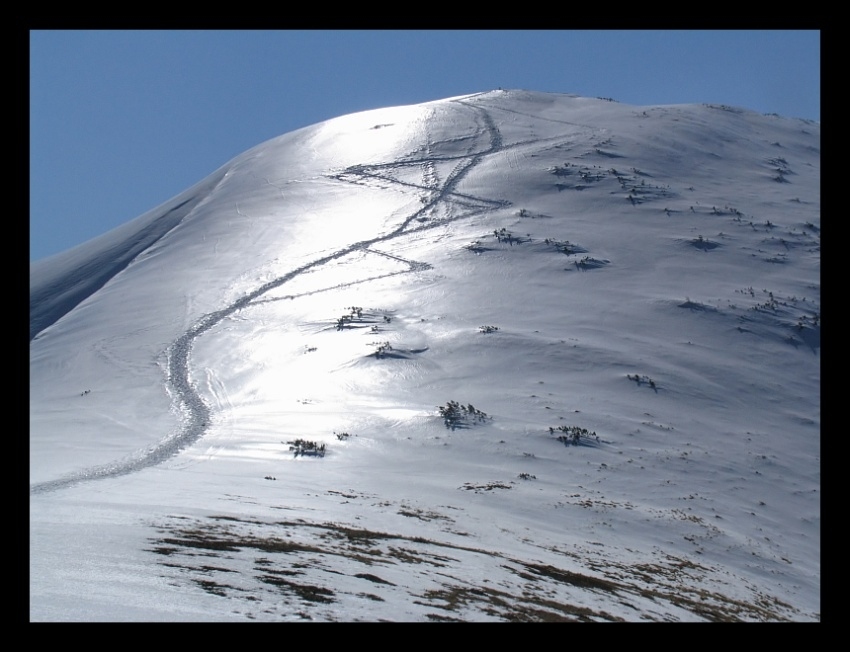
642	379
382	350
342	321
354	312
456	415
305	447
573	434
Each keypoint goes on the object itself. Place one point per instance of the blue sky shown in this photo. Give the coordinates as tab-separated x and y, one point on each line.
121	121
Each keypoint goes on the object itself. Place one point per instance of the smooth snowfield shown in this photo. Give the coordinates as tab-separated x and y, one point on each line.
624	301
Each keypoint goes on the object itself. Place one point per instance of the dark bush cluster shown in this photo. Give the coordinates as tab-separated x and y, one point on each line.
305	447
382	350
353	311
587	262
456	415
642	379
572	434
503	235
564	246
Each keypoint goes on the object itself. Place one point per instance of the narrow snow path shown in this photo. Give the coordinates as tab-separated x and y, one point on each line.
197	412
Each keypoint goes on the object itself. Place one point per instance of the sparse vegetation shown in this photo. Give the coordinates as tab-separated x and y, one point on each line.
564	246
284	552
587	262
342	321
382	350
478	488
573	434
305	447
642	379
703	243
456	415
354	312
503	235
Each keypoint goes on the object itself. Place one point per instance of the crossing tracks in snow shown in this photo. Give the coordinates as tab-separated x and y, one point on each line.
444	195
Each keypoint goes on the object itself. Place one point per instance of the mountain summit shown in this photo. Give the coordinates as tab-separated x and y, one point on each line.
504	356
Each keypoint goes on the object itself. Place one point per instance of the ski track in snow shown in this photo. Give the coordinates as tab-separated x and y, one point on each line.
197	414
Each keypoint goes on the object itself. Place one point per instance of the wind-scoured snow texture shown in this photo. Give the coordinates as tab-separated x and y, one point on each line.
622	303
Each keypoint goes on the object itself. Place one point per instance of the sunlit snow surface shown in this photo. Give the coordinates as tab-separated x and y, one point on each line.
650	276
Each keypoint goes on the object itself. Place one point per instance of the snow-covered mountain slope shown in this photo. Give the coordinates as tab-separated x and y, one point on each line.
506	356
